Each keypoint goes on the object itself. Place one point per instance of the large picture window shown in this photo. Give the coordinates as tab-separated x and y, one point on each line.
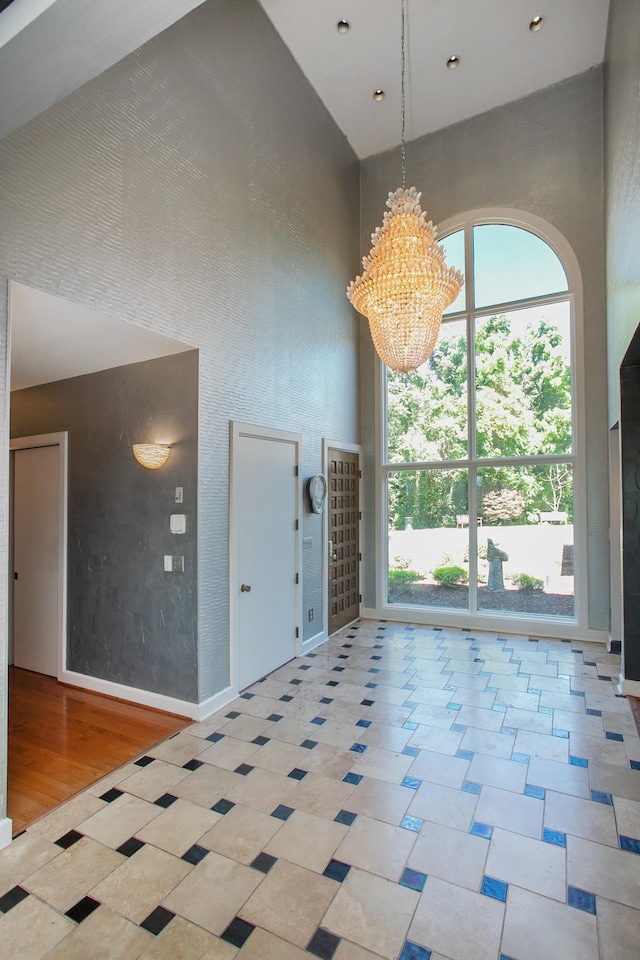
480	444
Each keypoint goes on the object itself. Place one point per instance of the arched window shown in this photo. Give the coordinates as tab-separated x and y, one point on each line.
480	445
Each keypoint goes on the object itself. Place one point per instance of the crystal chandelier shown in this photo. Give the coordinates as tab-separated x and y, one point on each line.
406	284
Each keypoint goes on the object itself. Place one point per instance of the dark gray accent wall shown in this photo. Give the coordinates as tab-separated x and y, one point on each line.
622	186
630	475
127	620
541	155
199	188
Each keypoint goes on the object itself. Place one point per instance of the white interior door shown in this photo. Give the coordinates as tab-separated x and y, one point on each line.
37	558
264	520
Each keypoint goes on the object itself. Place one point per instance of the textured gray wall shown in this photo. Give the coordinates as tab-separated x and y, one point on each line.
542	155
622	186
199	188
630	440
127	620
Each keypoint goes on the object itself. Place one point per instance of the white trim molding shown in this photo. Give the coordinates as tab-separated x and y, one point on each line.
206	708
159	701
308	645
6	832
629	688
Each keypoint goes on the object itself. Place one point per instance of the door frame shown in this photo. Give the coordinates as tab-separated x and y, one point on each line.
348	448
237	430
60	440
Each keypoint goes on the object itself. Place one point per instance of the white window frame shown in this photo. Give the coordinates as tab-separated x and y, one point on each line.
575	627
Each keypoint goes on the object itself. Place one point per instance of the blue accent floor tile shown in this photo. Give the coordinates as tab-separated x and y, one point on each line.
599	797
354	778
634	764
498	708
157	920
364	723
345	817
458	728
510	731
85	907
450	688
412	823
614	736
323	944
538	793
411	782
238	932
464	754
581	900
336	870
326	700
411	951
223	806
578	762
594	713
358	748
577	693
318	721
494	888
536	690
282	812
409	725
630	844
491	689
195	854
520	757
413	880
481	830
555	837
470	787
309	744
410	705
368	703
411	751
563	734
545	710
454	706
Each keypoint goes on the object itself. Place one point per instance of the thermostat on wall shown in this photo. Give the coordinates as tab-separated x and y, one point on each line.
178	523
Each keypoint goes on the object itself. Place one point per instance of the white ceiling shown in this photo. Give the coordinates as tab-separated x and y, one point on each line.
501	59
53	339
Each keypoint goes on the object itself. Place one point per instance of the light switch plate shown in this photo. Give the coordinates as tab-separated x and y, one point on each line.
178	523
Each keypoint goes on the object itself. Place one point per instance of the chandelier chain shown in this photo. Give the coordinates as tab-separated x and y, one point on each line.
402	95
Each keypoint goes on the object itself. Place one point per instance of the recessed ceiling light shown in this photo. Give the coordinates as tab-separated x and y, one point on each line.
378	95
453	62
536	24
343	26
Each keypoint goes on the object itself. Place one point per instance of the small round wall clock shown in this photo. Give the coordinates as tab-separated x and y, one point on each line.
317	487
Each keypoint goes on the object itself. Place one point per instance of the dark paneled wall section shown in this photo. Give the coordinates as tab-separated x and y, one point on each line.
128	620
630	437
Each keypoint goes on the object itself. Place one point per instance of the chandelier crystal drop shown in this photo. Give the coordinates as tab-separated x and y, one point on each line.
406	284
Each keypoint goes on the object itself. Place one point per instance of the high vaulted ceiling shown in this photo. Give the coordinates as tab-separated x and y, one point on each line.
501	59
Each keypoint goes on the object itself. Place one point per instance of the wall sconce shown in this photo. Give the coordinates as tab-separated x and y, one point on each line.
151	455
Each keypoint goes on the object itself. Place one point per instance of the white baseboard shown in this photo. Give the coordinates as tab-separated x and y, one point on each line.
629	688
6	828
208	707
133	694
307	645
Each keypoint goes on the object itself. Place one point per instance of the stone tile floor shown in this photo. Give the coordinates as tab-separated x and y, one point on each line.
401	792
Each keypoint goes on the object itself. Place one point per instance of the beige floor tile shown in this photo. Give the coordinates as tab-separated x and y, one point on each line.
138	885
627	817
497	772
598	748
504	682
609	778
327	760
31	929
179	749
352	712
65	817
112	779
232	882
449	854
245	727
433	716
322	796
264	790
531	864
103	936
580	818
229	753
431	690
351	951
290	730
372	912
542	745
501	808
474	698
262	945
241	834
307	840
618	930
208	784
178	827
521	701
537	928
610	873
457	922
205	728
380	800
385	736
577	723
181	940
439	768
487	743
290	902
439	804
605	704
300	709
280	757
382	764
118	821
23	857
471	716
562	701
561	777
152	781
65	880
436	740
528	720
376	847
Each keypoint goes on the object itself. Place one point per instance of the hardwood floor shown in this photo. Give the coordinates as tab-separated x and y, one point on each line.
62	739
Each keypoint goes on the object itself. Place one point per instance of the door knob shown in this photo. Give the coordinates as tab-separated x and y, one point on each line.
245	588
